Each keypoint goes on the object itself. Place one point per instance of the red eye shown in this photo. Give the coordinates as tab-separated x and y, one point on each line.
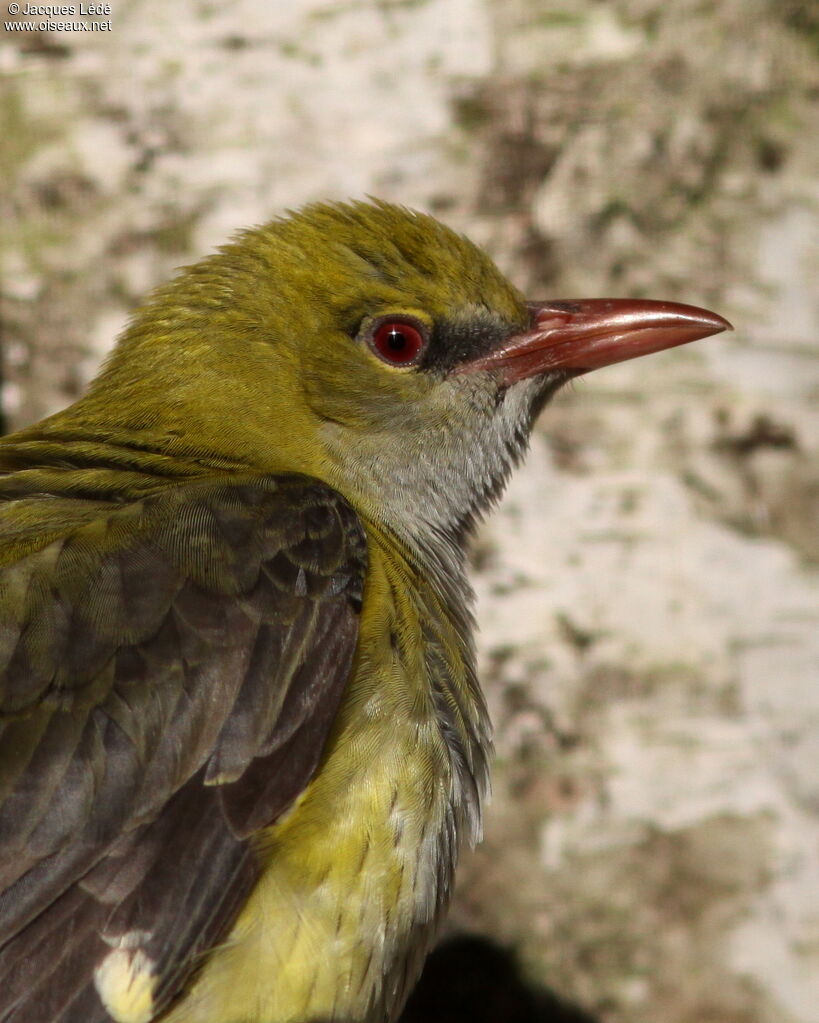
397	343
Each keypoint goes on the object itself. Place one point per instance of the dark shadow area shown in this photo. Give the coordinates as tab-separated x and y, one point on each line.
471	979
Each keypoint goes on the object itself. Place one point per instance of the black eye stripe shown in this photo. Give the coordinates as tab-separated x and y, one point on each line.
457	341
442	347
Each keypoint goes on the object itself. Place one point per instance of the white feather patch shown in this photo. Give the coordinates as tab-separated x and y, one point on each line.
125	981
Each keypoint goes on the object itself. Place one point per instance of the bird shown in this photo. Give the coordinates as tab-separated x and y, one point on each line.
243	738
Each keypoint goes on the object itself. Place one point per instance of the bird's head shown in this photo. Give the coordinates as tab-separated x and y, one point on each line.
371	347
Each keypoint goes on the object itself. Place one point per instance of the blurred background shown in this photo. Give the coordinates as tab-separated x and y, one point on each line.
649	589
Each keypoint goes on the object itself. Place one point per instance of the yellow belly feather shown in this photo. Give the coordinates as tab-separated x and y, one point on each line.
353	867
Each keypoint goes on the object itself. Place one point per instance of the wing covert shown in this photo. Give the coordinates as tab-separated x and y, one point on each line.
169	674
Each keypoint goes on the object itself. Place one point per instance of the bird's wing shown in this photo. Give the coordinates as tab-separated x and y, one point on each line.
169	673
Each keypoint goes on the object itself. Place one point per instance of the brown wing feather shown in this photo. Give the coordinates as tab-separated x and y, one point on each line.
171	671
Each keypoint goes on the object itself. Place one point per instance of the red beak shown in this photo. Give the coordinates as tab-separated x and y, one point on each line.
582	335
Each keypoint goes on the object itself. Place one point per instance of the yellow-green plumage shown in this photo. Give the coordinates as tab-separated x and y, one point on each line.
249	363
241	737
361	867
